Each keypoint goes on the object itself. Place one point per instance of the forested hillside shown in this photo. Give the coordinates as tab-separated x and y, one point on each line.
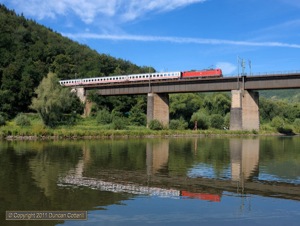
29	51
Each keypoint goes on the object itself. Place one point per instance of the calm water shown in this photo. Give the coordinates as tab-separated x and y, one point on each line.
183	181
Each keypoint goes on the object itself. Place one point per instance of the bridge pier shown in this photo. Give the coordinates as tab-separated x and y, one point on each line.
81	94
244	113
158	108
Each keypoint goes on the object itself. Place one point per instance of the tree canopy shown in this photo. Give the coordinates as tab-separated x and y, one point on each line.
29	51
52	101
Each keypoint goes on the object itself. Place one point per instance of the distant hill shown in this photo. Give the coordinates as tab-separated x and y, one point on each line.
29	51
291	95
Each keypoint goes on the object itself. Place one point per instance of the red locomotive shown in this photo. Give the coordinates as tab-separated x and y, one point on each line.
204	73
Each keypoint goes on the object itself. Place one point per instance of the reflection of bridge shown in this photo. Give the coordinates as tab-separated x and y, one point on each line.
244	106
244	154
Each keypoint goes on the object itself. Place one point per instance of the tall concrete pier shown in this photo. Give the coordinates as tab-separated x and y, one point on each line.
244	114
158	108
81	93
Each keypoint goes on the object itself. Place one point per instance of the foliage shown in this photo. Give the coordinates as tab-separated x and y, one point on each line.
155	125
53	101
217	103
104	117
29	51
227	121
119	123
270	109
184	105
22	120
178	124
217	121
277	122
2	120
137	114
296	125
200	120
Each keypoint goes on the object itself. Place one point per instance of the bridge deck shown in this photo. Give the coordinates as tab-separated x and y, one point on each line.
262	82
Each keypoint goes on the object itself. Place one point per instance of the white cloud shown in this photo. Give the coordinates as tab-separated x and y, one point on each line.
184	40
136	8
227	68
88	10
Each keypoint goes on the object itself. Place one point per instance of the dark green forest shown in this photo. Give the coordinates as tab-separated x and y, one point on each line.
31	53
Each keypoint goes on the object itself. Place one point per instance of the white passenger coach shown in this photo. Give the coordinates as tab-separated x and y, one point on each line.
121	78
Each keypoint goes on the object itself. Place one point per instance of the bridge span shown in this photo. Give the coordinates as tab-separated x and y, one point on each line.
244	89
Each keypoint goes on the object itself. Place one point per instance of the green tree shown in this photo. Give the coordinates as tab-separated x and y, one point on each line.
184	105
216	121
200	120
297	125
53	101
22	120
104	117
137	114
178	124
155	125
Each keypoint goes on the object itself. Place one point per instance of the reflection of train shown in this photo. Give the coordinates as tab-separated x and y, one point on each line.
143	77
202	196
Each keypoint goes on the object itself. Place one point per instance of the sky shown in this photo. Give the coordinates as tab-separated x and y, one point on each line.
179	35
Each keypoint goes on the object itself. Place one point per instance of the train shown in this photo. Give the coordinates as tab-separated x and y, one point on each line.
194	74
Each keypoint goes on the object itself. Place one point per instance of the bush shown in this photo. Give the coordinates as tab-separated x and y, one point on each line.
227	121
119	123
104	117
277	122
155	125
297	125
217	121
178	124
22	120
201	118
2	121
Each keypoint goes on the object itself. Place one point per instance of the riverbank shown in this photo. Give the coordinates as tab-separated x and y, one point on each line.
70	134
89	129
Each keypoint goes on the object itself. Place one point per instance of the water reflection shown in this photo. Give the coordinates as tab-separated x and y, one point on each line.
88	175
244	156
177	167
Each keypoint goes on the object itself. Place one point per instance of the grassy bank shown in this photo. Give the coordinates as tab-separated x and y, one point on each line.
88	128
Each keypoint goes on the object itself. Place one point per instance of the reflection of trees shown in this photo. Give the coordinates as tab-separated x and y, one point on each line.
28	179
214	152
280	157
185	153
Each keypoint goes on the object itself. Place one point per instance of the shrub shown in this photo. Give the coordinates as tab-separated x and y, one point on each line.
155	125
297	125
217	121
201	118
227	121
119	123
178	124
103	117
277	122
2	121
22	120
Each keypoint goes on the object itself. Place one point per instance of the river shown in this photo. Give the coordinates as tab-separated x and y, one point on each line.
159	181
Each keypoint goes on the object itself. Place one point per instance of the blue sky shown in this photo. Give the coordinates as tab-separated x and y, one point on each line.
178	35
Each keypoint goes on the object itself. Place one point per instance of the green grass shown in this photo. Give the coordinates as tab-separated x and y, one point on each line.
88	127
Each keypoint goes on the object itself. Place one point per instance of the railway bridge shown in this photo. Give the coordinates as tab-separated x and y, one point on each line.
244	90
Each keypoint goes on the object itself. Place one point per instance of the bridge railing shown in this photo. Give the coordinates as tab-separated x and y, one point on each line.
267	73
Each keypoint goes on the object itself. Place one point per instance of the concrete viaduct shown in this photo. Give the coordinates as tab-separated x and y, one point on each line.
244	90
